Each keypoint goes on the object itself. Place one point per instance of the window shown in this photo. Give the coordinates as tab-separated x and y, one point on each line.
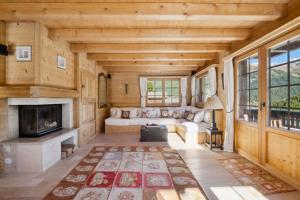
248	89
284	85
202	89
163	92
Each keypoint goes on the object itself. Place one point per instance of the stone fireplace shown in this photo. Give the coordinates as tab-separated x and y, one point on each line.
29	146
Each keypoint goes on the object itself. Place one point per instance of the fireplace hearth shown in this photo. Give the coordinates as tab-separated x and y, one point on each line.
38	120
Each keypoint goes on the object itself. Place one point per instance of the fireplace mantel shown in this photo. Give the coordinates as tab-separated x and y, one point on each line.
38	101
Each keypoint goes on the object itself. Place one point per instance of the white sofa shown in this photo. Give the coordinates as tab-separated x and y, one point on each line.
191	131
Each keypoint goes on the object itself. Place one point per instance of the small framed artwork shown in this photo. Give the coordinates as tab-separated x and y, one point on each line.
23	53
61	62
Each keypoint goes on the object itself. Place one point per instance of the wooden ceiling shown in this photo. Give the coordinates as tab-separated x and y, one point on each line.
148	36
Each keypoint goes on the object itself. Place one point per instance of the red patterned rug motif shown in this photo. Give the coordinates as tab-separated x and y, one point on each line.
129	173
250	174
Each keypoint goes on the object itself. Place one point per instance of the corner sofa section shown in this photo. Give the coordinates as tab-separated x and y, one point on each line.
190	130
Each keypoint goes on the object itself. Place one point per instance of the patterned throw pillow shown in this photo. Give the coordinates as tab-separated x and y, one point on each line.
186	114
125	114
177	115
190	116
144	114
199	116
165	113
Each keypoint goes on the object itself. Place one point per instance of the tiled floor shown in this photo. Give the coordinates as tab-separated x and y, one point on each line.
214	179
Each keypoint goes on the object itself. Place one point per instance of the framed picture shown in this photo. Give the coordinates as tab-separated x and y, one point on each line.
61	62
23	53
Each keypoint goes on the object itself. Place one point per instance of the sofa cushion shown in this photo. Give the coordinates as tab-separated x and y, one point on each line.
202	126
190	117
190	127
199	116
207	116
151	112
117	121
165	113
180	121
115	113
144	121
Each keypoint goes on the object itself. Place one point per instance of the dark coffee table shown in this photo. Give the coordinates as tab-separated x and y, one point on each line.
154	133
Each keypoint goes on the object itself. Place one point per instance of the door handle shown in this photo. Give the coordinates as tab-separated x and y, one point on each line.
262	104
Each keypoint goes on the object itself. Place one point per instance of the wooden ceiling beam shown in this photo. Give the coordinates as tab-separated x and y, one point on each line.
149	69
141	11
150	35
151	57
148	48
150	64
145	1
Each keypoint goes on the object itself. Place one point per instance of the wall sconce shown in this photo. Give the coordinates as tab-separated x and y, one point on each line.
126	88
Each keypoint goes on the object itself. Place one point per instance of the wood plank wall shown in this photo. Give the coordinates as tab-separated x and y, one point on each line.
42	70
50	75
21	34
88	117
2	58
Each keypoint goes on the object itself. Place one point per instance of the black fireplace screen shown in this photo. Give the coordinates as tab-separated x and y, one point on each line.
37	120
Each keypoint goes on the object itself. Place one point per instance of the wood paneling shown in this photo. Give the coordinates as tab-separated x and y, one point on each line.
248	140
151	57
148	48
149	64
265	32
150	35
42	70
143	69
36	92
88	117
50	75
140	11
116	88
283	154
21	34
2	58
158	1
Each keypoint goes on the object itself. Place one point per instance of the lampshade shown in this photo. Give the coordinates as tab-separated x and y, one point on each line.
213	103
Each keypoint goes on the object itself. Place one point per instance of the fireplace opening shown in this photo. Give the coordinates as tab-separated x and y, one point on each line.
38	120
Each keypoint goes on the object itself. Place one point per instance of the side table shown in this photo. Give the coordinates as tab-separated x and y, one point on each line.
214	133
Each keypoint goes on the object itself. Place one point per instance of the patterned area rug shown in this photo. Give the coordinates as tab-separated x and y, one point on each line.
129	173
250	174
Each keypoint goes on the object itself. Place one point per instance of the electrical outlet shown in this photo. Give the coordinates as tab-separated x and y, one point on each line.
7	161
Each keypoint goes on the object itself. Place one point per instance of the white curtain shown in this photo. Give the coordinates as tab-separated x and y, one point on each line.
229	94
212	79
193	90
197	88
143	89
183	90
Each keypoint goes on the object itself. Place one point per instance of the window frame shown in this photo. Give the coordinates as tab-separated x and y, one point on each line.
164	104
287	39
248	55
